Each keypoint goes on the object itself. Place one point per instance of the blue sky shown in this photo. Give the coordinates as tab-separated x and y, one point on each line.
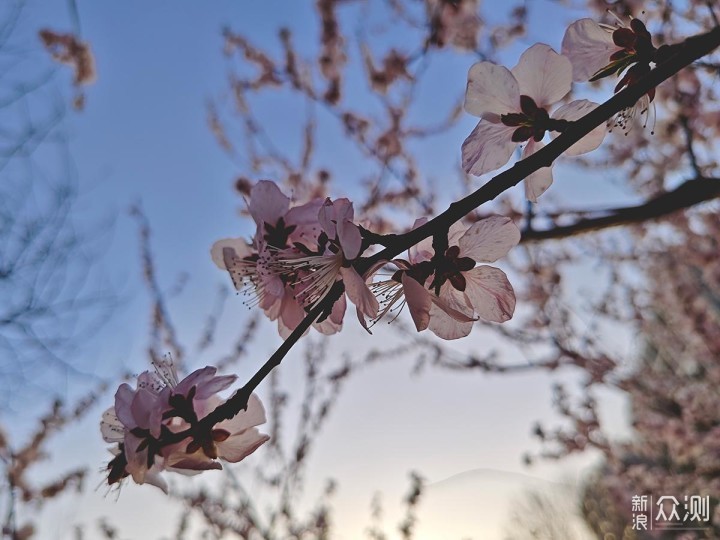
143	137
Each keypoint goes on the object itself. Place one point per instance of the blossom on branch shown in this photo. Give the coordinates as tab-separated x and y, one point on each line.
143	421
446	292
513	109
296	256
597	51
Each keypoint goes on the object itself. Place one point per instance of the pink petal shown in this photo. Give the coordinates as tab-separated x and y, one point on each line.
422	251
332	213
305	220
343	209
418	302
136	461
491	89
197	461
333	324
489	239
458	314
327	218
574	111
123	402
253	416
350	239
543	74
589	47
304	214
291	312
272	305
273	287
359	293
267	203
197	377
205	381
487	148
442	323
215	385
490	293
147	410
456	231
538	182
238	245
238	447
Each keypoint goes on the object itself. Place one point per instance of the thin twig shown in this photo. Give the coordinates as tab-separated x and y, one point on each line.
686	195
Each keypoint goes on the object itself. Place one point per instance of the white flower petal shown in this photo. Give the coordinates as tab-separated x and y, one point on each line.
538	182
487	148
490	293
238	245
543	74
238	447
253	416
491	89
574	111
154	478
489	239
588	47
110	427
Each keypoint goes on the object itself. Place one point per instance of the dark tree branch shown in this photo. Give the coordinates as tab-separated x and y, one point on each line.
684	54
686	195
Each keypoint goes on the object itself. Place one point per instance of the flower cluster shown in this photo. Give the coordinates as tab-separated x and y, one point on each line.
597	51
445	291
514	106
296	256
144	420
299	253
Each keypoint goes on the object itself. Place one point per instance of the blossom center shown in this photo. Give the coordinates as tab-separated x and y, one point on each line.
277	236
446	267
532	122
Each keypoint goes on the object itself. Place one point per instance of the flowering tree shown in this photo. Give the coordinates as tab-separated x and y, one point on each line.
315	251
309	256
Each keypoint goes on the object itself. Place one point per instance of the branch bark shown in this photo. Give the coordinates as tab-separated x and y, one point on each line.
687	194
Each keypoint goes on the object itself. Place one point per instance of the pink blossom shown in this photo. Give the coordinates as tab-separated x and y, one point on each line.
598	51
447	293
162	405
253	266
513	108
278	227
231	440
317	271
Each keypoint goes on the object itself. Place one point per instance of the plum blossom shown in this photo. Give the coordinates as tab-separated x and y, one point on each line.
338	245
232	440
597	51
447	292
297	255
513	108
143	418
253	266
